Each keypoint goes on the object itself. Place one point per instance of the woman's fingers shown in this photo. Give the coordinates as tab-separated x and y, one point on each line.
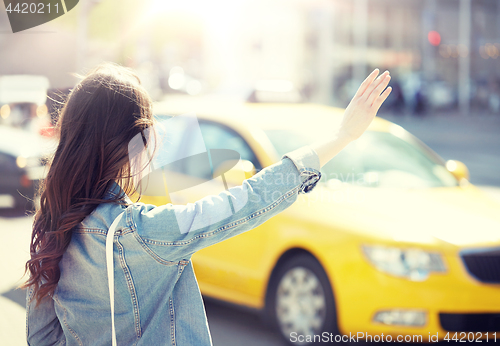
367	82
378	101
379	88
375	84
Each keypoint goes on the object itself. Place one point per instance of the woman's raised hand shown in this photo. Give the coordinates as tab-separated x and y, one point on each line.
365	104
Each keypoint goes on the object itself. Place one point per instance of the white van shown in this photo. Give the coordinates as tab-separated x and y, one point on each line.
23	100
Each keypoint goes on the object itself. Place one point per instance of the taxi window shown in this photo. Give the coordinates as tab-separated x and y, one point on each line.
217	136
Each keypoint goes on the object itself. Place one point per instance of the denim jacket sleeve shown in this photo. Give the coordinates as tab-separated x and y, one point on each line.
175	232
42	325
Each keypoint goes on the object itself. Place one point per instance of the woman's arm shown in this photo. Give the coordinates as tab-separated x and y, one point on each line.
175	232
357	116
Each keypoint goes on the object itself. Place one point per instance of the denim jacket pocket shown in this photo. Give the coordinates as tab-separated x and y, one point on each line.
149	246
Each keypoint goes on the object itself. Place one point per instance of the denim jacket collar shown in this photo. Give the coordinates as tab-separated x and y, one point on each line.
115	191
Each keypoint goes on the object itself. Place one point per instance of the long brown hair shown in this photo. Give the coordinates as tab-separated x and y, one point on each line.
101	116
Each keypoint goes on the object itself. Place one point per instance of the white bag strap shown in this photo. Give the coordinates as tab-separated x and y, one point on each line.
111	273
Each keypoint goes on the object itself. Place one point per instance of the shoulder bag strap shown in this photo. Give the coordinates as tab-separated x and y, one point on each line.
111	273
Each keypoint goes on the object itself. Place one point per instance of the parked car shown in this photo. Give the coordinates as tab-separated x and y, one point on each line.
393	241
22	164
23	103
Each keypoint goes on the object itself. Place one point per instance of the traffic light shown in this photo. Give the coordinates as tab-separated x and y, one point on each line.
434	38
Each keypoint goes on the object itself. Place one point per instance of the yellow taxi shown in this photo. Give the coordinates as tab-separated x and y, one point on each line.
393	244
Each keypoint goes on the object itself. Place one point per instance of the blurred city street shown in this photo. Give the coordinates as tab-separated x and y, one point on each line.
473	140
419	252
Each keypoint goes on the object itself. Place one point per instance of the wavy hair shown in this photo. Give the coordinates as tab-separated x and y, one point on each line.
101	116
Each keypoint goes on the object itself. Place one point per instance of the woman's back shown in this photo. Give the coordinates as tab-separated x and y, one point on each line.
145	312
157	299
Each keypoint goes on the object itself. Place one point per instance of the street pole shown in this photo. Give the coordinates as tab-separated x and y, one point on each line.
464	59
325	56
360	31
498	18
428	23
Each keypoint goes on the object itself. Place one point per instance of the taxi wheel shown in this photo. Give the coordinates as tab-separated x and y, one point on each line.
300	301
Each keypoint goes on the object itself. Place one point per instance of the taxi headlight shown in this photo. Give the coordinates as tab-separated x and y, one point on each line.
412	264
21	161
4	111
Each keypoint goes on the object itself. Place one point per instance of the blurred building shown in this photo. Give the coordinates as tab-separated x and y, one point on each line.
416	39
43	50
440	51
326	47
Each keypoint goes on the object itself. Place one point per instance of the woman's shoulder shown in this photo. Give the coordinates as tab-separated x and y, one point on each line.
102	217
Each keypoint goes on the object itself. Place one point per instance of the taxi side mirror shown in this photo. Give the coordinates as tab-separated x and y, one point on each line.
458	169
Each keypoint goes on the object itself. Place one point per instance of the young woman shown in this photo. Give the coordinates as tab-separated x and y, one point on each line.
156	297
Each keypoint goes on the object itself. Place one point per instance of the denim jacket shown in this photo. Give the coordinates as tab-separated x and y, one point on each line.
157	299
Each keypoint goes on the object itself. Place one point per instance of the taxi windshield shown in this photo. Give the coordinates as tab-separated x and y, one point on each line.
376	159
